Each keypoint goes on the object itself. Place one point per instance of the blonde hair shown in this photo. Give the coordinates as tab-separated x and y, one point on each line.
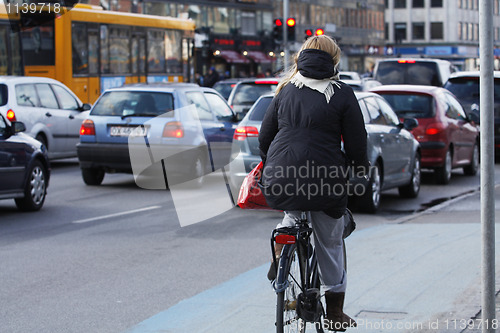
323	43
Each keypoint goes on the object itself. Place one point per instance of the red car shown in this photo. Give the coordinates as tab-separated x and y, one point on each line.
448	138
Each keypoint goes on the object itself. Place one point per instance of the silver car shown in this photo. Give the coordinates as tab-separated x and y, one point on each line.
50	111
393	152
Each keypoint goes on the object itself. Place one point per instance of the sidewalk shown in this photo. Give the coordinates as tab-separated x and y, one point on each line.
417	275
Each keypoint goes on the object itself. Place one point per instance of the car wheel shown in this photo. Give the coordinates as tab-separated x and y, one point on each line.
443	174
472	168
370	201
413	188
35	189
92	176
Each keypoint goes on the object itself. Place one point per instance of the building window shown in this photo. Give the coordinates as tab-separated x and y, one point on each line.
418	3
248	24
436	3
399	3
436	30
386	31
399	32
460	37
418	31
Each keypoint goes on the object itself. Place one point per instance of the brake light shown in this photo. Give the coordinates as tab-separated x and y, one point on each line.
173	129
406	61
266	82
11	115
243	132
285	239
433	129
87	127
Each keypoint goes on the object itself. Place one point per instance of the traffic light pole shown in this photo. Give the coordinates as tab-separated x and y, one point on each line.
285	36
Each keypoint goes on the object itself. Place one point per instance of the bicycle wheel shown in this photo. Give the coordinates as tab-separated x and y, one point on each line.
287	320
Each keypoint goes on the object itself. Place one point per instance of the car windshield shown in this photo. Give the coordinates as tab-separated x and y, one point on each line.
3	94
411	105
134	103
224	89
248	93
467	88
260	108
408	72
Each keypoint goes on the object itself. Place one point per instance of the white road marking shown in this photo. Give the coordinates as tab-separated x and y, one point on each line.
116	214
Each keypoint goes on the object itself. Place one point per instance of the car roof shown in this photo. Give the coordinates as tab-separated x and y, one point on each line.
25	79
414	59
363	94
496	74
407	88
159	87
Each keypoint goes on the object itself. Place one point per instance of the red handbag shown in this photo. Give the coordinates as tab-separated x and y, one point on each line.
251	196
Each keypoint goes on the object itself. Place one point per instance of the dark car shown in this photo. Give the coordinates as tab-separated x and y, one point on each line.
448	137
392	150
465	87
431	72
247	91
133	128
24	167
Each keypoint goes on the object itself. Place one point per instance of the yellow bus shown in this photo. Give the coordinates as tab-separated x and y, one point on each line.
10	44
90	49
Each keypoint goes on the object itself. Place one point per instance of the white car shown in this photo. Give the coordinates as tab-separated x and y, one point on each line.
51	112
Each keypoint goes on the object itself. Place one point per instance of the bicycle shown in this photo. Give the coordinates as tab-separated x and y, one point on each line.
297	282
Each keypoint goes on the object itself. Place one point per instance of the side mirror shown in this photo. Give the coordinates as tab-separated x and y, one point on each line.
410	123
18	127
86	107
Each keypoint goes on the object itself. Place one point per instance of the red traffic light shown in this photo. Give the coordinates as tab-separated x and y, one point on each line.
309	32
278	22
290	22
320	32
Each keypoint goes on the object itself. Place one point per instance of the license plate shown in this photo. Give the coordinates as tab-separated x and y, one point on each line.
128	131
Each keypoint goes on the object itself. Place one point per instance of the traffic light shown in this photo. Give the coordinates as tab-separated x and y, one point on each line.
278	30
319	32
290	26
307	33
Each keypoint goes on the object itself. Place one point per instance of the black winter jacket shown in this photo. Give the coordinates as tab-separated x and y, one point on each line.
300	142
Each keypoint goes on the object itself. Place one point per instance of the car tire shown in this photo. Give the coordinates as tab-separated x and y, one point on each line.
35	189
413	188
370	201
473	167
92	176
443	174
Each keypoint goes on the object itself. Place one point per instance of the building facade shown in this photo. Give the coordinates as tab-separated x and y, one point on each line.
446	29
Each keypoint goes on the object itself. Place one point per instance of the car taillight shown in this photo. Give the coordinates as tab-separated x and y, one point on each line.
243	132
11	115
173	129
433	129
87	127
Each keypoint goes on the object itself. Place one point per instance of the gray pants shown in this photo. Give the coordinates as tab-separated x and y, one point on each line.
328	243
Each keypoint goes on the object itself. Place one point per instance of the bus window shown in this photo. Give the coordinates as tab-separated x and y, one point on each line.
79	49
156	54
104	50
173	51
4	56
15	53
38	45
93	52
119	50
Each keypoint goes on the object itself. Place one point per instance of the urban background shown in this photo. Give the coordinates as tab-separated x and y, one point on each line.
236	36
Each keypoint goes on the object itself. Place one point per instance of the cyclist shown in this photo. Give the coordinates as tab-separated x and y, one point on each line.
305	168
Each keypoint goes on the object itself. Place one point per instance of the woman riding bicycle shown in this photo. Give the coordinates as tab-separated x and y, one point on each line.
305	169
